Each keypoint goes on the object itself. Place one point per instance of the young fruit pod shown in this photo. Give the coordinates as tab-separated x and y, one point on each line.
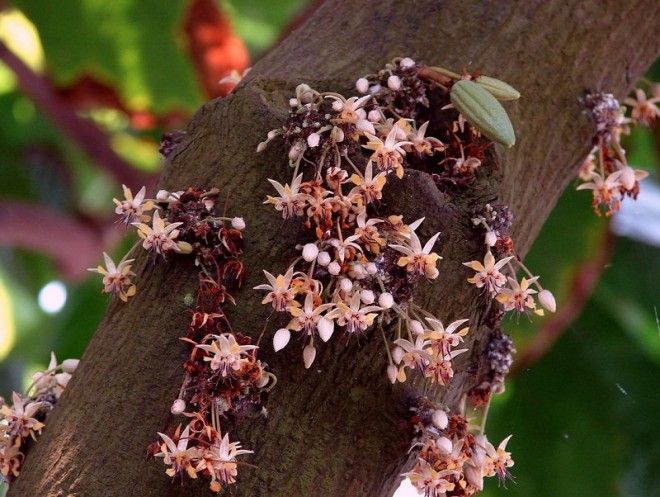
483	111
499	89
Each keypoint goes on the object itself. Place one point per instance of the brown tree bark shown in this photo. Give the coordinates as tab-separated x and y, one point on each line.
333	431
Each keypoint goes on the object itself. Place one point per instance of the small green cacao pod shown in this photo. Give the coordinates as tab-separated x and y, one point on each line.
483	111
499	89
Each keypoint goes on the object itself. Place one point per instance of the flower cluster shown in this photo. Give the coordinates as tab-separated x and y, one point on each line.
158	235
222	375
23	420
360	268
496	275
606	171
452	459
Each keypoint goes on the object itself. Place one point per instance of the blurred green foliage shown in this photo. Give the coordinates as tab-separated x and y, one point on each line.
134	46
584	417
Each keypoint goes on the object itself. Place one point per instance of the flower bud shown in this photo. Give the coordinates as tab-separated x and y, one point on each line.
337	105
70	365
374	116
323	258
371	268
362	85
346	285
440	419
394	82
397	354
547	300
385	300
325	328
309	354
407	63
334	268
281	339
337	134
444	446
261	147
416	327
304	93
209	203
163	195
358	271
296	151
178	406
62	380
491	238
238	223
313	140
392	372
310	252
474	476
367	296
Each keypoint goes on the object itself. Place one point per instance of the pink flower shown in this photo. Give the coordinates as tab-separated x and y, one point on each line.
220	461
519	296
606	192
116	278
290	202
309	319
132	209
488	274
20	417
161	236
280	293
177	455
354	317
644	110
226	355
388	155
418	260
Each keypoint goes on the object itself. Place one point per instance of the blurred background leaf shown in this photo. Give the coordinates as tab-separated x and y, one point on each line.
136	47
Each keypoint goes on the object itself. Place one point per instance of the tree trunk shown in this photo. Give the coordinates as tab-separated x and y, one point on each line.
334	430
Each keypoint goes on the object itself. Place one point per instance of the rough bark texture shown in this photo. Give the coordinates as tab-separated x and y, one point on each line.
333	431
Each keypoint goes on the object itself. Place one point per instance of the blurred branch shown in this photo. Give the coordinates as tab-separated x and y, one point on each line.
89	92
583	285
83	132
73	244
